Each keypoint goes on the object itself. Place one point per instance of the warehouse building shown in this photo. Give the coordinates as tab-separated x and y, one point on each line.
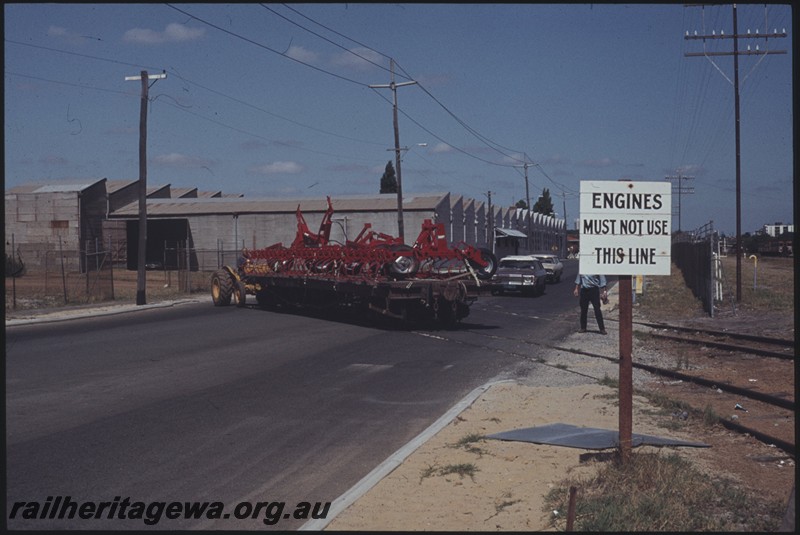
201	229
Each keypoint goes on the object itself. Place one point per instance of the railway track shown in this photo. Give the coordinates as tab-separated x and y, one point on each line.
704	384
726	341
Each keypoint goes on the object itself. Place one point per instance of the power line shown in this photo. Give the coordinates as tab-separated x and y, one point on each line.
488	142
342	35
83	55
735	53
224	95
326	39
265	47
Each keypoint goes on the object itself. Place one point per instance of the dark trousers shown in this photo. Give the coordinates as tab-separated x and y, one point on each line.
591	295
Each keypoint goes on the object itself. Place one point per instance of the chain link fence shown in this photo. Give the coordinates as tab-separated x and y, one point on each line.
697	255
53	274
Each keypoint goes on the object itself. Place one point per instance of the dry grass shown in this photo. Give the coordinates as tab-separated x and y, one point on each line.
660	492
769	287
657	492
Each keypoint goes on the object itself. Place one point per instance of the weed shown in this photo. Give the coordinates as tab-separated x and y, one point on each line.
430	471
467	442
709	416
468	439
504	503
609	381
655	492
462	469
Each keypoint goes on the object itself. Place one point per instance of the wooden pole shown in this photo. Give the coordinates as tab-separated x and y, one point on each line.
625	367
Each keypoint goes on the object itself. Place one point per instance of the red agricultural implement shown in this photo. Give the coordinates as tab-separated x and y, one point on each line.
375	270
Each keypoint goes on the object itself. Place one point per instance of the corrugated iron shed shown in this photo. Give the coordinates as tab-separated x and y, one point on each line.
244	205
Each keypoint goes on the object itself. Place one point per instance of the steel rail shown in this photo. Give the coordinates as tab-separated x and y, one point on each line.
725	387
738	336
727	347
772	400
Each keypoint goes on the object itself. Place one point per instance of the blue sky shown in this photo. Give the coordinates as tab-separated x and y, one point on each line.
274	100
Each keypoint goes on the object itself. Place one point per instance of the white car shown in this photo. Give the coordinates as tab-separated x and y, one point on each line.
552	265
524	274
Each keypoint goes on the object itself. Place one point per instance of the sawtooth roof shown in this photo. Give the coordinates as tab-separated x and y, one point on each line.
244	205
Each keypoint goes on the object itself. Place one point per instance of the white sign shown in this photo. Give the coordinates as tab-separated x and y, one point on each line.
625	228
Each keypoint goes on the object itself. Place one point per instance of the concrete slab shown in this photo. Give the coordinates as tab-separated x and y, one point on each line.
587	438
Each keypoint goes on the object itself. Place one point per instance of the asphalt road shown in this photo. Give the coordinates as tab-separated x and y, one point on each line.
230	405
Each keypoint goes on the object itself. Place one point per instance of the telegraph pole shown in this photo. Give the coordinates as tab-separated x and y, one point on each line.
736	53
491	221
527	201
393	86
141	278
680	190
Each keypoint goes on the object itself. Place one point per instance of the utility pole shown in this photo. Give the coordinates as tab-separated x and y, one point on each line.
680	190
393	86
566	224
491	221
141	278
527	202
736	53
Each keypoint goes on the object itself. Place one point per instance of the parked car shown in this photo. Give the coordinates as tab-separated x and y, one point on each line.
552	265
523	274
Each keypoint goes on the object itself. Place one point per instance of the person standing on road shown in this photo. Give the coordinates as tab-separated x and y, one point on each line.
590	289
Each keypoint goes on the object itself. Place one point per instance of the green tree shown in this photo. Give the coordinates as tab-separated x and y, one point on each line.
389	180
545	204
521	204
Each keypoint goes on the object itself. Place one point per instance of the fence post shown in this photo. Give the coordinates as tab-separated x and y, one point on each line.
63	274
14	275
86	263
188	268
111	265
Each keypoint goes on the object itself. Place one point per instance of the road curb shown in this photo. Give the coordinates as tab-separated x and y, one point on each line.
396	459
94	312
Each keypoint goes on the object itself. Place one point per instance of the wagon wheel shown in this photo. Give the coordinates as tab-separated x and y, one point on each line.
221	288
403	265
485	272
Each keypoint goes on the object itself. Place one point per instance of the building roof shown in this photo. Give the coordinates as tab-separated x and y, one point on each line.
244	205
510	232
75	186
188	193
113	186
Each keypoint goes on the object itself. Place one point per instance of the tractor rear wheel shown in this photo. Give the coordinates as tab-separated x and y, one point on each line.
221	288
239	293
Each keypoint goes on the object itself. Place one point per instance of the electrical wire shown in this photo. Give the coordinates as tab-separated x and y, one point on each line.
248	40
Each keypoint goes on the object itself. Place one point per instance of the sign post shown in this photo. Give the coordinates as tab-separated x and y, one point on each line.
625	230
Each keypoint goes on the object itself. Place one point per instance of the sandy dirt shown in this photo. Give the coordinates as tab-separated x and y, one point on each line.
506	491
506	488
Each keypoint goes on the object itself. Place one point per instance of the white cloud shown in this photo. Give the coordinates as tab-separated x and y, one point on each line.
556	159
174	159
57	31
279	168
441	147
65	35
302	54
691	169
179	32
173	33
351	61
602	162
